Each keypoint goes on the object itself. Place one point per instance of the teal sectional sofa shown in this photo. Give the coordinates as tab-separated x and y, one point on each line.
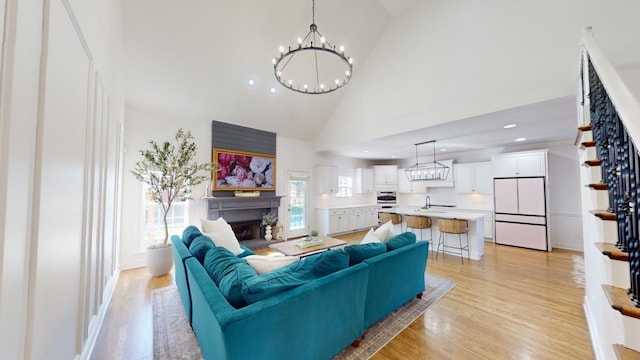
335	296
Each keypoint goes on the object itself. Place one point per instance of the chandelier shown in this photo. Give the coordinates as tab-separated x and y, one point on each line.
314	65
427	171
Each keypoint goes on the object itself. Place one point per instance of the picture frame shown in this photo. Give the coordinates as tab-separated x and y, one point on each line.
241	170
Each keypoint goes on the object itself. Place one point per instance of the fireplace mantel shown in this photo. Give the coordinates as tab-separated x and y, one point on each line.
234	209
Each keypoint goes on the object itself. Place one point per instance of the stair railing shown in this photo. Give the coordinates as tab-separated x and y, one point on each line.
614	115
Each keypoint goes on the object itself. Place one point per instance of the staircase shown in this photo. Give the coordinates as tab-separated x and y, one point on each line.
608	129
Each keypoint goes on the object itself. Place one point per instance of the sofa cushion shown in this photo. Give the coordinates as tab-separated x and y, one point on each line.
231	284
265	263
359	252
263	286
190	233
219	262
200	246
401	240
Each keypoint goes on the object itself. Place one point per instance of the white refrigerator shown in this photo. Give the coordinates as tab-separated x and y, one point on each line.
521	212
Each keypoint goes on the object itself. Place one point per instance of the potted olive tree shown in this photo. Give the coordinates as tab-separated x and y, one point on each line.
169	170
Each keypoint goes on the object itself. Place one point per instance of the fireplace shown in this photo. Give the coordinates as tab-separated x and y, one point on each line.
244	214
246	230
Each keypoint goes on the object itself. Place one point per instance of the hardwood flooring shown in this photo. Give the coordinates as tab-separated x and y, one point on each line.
514	304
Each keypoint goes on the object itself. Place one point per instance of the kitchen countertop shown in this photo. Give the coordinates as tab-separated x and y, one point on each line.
436	213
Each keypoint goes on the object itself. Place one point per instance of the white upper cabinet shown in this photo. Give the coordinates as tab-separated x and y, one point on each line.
386	174
530	163
326	179
473	178
364	181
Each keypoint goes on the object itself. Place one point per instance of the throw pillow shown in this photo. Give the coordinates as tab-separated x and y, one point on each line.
265	263
211	225
200	246
382	232
222	235
359	252
301	272
370	238
401	240
190	233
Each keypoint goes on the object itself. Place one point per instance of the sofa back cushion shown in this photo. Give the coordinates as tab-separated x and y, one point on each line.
200	246
219	262
190	233
401	240
263	286
231	284
359	252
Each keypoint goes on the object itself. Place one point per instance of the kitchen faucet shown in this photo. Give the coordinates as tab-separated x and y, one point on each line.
427	204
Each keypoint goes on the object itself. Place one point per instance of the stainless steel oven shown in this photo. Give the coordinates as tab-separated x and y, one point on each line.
386	199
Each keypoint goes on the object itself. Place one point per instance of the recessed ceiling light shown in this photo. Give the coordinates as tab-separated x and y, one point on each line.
443	149
365	151
393	156
520	139
251	82
272	90
509	126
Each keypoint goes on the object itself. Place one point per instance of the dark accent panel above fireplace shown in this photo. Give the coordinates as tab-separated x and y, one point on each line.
245	139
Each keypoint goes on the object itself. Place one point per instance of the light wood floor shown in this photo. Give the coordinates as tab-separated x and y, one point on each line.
514	304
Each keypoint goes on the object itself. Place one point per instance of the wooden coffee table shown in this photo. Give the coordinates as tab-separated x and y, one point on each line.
292	249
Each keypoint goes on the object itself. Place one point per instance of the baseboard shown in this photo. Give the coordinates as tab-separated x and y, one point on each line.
87	350
593	333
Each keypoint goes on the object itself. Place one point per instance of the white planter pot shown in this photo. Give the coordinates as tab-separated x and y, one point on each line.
159	260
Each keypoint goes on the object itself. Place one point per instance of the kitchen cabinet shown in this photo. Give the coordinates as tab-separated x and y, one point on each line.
474	177
386	174
326	179
521	164
346	219
364	181
406	186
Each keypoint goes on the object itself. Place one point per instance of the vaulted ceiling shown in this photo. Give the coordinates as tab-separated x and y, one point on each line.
195	59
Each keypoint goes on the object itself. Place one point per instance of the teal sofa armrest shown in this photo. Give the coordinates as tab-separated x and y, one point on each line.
180	255
313	321
394	278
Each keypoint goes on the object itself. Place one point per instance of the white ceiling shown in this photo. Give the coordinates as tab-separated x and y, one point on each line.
194	61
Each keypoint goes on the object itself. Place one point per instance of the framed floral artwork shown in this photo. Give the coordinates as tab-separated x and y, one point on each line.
239	170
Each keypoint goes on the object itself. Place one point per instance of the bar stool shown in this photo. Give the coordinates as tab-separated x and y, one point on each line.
420	222
453	226
394	218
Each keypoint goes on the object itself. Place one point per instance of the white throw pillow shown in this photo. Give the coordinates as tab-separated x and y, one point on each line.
265	263
222	235
382	232
212	225
370	237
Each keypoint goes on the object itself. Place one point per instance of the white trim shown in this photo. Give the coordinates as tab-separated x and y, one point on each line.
593	331
90	342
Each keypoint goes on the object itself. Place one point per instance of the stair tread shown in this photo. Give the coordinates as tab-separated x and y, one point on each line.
587	144
594	162
598	186
624	353
619	300
584	128
604	215
612	251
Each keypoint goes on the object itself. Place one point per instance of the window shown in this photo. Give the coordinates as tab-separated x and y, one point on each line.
153	225
345	186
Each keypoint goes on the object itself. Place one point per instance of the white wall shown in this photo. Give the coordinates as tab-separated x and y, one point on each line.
420	73
60	159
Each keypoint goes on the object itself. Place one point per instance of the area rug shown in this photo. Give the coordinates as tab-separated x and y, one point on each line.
173	338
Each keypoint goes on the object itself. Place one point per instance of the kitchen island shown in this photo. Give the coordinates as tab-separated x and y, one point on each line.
476	228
